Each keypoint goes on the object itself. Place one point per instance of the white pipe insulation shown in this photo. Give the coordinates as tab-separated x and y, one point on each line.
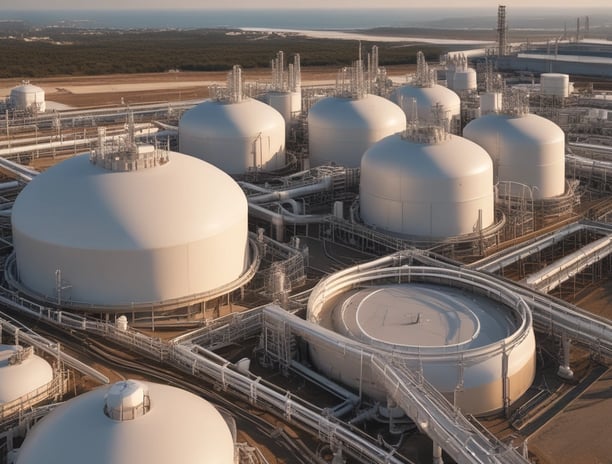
279	220
267	195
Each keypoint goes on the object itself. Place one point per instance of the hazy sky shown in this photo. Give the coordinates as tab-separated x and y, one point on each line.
487	5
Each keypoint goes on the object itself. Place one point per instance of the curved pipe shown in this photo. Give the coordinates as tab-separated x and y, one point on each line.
267	196
279	220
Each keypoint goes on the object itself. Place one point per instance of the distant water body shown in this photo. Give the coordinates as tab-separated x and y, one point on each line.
273	19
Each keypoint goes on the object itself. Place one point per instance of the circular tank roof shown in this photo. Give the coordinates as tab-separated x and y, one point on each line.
452	158
426	98
79	204
463	333
27	88
21	372
526	129
221	119
369	112
420	315
158	424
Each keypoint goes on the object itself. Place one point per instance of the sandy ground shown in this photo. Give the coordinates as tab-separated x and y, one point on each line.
85	91
580	434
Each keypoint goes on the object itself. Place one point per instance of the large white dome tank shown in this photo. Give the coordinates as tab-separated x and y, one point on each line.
427	188
173	229
425	99
527	149
21	372
129	422
477	348
236	137
28	97
341	129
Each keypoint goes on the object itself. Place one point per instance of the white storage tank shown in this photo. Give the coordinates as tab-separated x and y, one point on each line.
455	333
464	80
235	133
432	188
554	84
148	227
288	104
341	129
285	95
526	149
422	100
28	97
237	137
21	372
129	422
490	102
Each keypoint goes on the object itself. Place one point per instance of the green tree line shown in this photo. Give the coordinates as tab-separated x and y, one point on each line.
73	53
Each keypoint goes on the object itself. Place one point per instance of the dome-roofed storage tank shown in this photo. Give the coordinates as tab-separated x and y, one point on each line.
129	225
129	422
460	77
490	102
28	97
427	183
237	134
474	345
526	149
418	99
21	372
342	127
285	94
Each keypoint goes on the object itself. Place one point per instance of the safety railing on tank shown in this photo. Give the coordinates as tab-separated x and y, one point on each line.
430	411
549	315
444	423
10	274
336	284
210	366
50	391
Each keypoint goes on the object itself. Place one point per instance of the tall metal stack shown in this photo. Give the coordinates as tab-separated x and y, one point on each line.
502	31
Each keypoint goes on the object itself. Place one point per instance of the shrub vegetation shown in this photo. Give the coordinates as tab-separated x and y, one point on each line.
57	52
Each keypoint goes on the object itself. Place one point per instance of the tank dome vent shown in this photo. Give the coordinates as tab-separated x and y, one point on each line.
127	400
125	155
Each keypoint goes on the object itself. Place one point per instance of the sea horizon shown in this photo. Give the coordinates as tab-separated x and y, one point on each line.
312	19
